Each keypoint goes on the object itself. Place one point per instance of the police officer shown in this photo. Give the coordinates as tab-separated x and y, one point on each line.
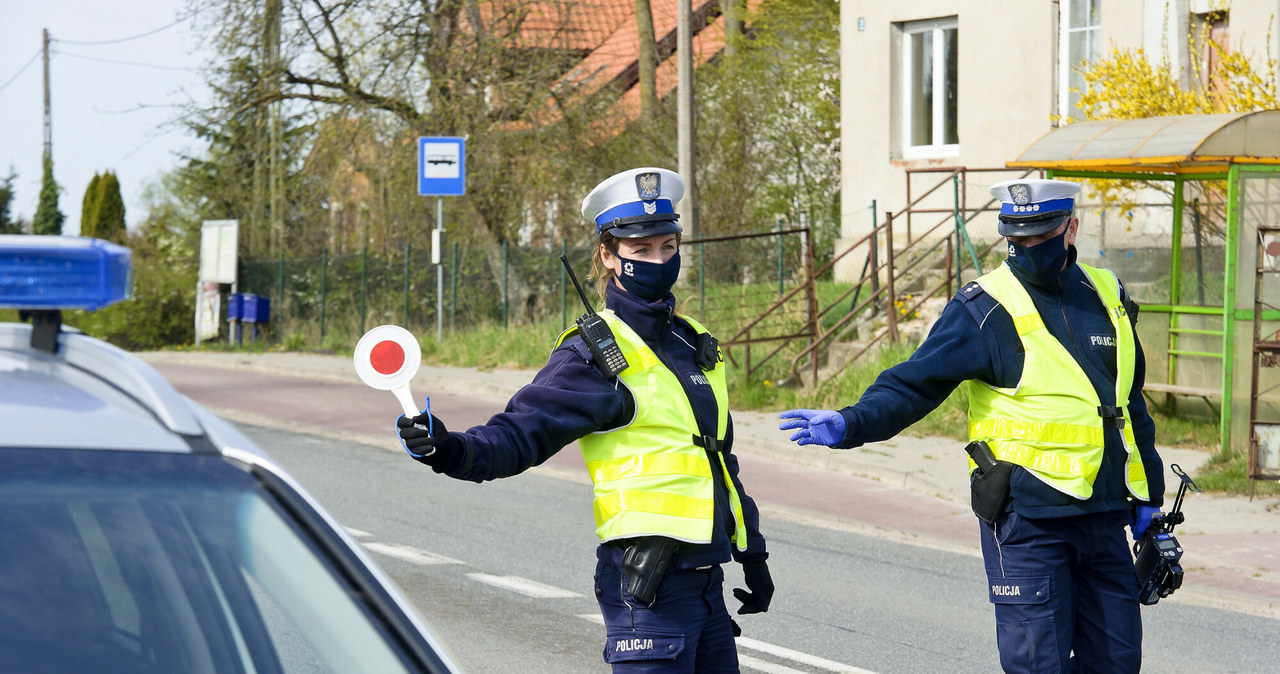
656	438
1053	369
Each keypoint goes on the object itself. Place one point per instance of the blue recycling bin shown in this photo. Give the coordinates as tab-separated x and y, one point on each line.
247	308
235	306
255	308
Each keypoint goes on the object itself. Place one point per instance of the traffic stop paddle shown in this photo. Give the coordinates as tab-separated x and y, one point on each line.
387	358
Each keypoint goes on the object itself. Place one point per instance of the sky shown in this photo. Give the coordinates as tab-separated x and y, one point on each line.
114	106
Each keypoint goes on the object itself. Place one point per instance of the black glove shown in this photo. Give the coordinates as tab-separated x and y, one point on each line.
756	573
434	447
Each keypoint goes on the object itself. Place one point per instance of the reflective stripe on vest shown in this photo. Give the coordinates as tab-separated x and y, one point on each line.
648	477
1049	423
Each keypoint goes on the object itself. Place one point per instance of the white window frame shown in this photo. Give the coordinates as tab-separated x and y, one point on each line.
936	26
1066	62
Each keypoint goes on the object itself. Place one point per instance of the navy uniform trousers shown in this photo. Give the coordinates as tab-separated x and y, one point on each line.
687	630
1065	593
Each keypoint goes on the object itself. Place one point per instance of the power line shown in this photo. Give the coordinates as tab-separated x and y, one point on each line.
21	70
124	63
125	39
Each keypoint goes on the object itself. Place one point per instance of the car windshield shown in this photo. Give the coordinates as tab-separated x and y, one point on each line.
154	562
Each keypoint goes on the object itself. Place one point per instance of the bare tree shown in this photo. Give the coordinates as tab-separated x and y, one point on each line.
648	61
735	12
433	68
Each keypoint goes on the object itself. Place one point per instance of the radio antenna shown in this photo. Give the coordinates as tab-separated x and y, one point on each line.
590	311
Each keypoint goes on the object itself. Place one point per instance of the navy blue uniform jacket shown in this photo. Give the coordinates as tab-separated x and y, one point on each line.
569	398
974	338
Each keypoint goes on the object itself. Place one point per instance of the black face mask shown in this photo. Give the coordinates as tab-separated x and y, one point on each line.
1040	263
649	280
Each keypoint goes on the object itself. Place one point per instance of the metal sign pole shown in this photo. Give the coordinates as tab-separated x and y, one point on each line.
437	240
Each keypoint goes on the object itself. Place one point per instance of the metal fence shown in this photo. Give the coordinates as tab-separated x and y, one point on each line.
725	281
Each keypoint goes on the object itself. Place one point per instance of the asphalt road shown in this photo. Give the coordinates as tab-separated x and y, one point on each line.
502	571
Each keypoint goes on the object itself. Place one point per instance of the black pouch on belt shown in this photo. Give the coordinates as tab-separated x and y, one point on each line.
644	562
989	484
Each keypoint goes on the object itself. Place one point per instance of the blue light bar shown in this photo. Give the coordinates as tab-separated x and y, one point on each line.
63	272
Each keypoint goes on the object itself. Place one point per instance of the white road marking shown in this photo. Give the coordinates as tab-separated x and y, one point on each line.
757	665
409	554
777	651
529	588
358	533
803	658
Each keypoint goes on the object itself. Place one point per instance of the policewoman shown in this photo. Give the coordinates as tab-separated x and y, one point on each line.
1047	351
657	440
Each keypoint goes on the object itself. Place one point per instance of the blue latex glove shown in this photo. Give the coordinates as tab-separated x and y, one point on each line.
823	427
1142	519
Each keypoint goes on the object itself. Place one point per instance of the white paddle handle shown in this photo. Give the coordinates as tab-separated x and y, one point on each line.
406	402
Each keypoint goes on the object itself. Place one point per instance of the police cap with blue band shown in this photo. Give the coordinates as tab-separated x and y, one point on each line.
1032	206
635	203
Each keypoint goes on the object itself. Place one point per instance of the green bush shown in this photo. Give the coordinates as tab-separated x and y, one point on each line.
161	312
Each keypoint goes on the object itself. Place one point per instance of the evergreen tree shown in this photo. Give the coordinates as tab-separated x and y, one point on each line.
109	213
89	206
8	225
48	219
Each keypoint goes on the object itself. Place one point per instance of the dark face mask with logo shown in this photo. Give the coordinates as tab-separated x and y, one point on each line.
649	280
1039	264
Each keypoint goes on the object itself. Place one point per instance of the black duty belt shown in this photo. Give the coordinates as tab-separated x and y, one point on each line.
1111	416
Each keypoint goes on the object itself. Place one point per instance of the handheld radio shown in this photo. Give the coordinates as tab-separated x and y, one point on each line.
1157	553
596	333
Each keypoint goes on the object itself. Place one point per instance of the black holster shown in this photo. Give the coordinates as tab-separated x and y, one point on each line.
643	564
989	484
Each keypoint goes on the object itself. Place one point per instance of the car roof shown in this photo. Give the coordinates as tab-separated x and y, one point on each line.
89	394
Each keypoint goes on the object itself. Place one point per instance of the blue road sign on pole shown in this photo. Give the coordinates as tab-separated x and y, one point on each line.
442	167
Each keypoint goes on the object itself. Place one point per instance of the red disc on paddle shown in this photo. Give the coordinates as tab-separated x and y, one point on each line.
386	357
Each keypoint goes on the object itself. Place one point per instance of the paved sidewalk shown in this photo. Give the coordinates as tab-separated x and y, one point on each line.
1232	543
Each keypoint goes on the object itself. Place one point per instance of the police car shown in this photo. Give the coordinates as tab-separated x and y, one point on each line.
141	533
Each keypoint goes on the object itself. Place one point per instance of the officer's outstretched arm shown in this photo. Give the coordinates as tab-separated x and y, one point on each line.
823	427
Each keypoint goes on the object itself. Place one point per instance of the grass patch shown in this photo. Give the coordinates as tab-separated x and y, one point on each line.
1186	432
1226	474
493	347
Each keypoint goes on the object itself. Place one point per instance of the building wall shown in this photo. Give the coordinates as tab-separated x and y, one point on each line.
1008	67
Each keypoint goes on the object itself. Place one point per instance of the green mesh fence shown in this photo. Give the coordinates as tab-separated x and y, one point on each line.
725	283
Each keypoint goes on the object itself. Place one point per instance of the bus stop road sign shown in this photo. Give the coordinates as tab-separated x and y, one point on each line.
442	167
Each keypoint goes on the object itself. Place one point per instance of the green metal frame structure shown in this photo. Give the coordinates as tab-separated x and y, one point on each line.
1230	147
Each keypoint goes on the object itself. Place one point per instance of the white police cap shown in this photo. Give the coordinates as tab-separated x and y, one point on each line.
1031	206
636	203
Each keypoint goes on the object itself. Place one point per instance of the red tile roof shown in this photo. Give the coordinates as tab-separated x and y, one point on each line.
614	56
580	25
707	44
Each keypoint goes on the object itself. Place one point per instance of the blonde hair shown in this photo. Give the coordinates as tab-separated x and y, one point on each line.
600	273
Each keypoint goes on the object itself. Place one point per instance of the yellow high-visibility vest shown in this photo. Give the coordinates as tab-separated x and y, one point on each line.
1049	423
648	477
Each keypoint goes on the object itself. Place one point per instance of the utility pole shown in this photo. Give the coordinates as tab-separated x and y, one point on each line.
48	116
274	160
686	122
